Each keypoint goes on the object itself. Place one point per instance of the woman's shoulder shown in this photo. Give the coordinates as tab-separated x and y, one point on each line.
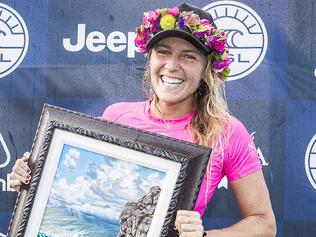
125	105
115	110
237	128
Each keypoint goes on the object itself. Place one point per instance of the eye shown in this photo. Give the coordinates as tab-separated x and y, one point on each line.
189	56
162	51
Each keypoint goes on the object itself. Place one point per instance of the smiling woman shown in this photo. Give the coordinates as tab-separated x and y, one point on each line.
187	64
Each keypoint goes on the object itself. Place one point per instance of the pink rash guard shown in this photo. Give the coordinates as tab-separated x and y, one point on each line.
238	159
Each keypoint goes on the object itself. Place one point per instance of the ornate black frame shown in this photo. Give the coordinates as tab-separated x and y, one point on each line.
193	159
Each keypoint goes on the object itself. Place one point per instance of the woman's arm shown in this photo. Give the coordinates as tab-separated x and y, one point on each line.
253	200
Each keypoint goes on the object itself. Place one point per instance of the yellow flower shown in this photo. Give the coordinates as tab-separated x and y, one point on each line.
167	22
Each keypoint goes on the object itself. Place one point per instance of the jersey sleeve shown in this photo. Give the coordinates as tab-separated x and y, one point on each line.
241	156
112	112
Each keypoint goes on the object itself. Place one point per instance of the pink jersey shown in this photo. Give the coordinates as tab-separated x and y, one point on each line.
238	159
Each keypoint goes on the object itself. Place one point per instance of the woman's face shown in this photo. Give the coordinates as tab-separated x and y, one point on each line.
176	71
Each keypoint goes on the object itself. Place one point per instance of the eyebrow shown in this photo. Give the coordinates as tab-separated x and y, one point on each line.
162	45
168	47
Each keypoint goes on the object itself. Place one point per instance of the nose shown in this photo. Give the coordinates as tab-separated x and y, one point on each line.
172	64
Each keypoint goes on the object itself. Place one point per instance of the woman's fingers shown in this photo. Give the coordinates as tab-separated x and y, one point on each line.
20	172
15	184
20	168
16	181
193	214
26	156
189	222
191	228
23	179
192	234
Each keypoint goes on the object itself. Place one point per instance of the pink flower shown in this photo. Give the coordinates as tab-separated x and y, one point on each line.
153	15
145	21
198	34
140	41
153	25
173	11
205	22
219	46
221	65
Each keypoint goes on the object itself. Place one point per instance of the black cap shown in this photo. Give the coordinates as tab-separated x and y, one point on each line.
204	49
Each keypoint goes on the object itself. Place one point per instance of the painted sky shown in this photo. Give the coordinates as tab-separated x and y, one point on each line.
98	185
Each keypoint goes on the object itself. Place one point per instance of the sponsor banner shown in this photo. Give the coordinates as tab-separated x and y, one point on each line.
310	161
104	48
302	60
27	23
247	37
24	83
91	50
80	55
14	38
5	218
299	228
257	64
300	164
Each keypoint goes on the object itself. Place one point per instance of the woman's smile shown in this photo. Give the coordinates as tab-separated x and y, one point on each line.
171	81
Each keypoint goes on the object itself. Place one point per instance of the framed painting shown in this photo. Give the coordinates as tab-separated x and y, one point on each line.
92	177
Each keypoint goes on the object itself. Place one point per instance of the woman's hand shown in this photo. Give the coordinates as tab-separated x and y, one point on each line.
189	224
20	172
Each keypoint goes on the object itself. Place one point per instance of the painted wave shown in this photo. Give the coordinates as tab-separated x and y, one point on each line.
63	222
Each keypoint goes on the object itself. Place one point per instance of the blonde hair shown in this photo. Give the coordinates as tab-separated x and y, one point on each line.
212	115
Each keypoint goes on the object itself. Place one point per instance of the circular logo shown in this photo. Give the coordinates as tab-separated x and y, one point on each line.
14	40
247	37
310	161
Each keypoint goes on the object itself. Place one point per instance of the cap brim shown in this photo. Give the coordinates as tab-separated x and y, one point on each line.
180	34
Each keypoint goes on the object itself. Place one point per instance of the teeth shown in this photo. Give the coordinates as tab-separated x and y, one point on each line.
170	80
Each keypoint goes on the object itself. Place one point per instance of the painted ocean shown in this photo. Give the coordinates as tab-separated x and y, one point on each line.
60	222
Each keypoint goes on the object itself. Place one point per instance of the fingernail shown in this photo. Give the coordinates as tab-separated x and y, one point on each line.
29	171
28	177
25	159
26	181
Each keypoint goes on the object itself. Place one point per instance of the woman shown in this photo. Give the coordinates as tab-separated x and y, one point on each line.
187	64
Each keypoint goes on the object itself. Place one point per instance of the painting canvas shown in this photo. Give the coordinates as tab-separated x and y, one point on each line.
98	178
96	210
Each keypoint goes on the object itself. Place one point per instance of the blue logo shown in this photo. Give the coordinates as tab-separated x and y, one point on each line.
14	40
247	37
310	161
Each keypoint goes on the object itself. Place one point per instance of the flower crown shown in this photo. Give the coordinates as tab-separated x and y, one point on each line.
202	29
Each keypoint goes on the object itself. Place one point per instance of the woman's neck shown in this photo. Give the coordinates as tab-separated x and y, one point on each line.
169	111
